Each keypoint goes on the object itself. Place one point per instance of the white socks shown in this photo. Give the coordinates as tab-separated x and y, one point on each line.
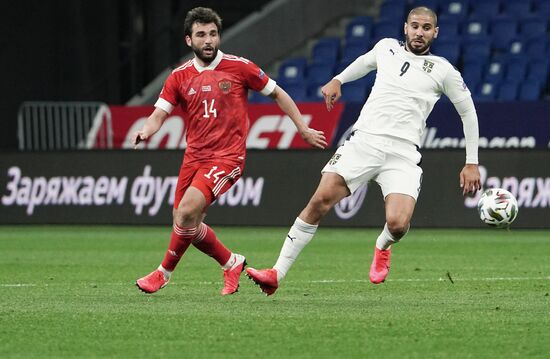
299	235
386	239
164	271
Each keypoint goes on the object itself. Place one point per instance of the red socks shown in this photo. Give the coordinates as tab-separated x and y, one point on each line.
179	242
207	242
202	237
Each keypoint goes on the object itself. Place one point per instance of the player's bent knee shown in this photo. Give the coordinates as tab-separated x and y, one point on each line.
187	217
398	227
320	205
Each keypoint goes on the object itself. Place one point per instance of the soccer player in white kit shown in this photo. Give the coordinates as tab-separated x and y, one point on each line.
383	143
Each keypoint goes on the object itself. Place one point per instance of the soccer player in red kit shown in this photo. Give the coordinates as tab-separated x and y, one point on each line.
212	90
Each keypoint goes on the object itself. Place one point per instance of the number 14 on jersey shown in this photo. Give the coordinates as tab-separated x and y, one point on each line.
209	110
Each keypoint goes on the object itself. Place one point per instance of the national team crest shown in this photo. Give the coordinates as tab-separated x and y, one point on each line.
428	66
225	86
334	159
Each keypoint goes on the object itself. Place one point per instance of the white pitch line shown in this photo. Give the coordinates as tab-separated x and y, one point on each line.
18	285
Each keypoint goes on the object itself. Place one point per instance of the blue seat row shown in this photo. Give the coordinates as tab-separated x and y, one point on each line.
495	53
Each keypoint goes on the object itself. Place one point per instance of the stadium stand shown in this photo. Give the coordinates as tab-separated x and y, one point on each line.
500	46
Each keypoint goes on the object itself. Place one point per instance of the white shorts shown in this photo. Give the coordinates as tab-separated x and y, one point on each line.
391	162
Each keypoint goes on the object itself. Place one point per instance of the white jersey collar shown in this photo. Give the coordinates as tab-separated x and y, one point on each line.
212	65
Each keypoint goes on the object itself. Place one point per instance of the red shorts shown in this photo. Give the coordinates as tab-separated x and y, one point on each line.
212	178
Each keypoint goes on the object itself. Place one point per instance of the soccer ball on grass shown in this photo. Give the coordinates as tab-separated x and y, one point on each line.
497	207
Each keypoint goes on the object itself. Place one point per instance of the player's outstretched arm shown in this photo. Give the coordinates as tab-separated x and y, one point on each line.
151	126
469	176
332	91
313	137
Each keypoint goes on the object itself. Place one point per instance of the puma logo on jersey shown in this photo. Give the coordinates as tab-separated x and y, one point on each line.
191	92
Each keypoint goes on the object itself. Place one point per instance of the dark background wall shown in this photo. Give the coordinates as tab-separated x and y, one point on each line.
101	50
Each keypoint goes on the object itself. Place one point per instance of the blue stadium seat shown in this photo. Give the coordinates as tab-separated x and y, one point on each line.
295	90
542	8
476	50
319	74
387	28
516	70
432	4
535	47
503	30
485	8
494	71
341	66
537	70
358	31
456	8
449	49
393	10
472	84
534	26
355	91
314	93
352	52
472	71
292	70
518	8
516	48
475	27
448	28
326	50
507	91
529	91
485	92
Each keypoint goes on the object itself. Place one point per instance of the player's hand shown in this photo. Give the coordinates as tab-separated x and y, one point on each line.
470	180
314	138
138	137
332	91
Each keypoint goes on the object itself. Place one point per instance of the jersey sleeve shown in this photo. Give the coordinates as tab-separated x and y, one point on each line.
169	96
360	67
257	80
454	86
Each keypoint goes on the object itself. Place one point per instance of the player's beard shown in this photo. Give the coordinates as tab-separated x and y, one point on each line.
202	56
418	50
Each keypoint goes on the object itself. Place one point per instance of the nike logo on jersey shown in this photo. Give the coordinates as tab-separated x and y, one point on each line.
291	238
393	53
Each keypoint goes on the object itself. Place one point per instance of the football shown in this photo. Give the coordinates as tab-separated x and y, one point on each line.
497	207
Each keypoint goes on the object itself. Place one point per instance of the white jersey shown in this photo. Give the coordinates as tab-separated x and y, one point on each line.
406	88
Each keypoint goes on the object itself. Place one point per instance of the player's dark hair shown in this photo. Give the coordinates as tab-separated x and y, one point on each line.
201	15
424	11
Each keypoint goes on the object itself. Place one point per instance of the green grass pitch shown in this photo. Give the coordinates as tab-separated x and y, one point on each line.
68	292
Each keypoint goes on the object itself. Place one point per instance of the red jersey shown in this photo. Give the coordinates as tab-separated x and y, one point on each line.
214	102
